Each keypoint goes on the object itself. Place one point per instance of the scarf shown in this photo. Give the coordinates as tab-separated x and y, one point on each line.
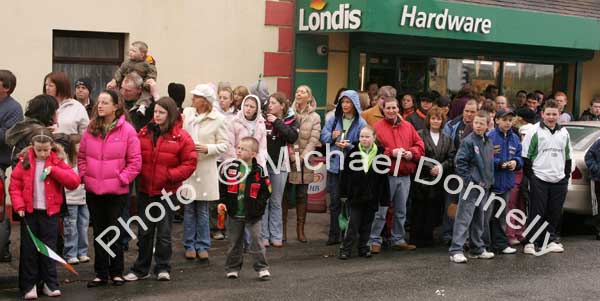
368	156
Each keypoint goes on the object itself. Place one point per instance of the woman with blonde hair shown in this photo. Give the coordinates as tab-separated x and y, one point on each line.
304	107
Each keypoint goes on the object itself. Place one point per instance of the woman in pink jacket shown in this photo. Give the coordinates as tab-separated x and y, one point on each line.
250	122
109	159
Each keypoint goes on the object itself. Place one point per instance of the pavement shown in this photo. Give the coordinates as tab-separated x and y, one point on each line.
312	272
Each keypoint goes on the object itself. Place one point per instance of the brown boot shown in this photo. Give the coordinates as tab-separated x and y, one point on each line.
284	215
301	218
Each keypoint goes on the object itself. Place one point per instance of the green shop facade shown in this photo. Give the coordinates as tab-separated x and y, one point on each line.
418	45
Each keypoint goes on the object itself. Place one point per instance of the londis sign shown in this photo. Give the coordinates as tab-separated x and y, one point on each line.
344	17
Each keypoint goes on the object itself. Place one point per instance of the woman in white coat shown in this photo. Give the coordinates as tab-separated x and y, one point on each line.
209	131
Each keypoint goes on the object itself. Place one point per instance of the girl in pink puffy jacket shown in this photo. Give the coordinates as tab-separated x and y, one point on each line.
109	159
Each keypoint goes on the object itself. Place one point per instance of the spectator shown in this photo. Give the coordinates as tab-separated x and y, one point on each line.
331	113
83	94
109	159
249	122
372	89
521	99
547	155
72	115
561	99
443	102
363	189
501	103
10	114
428	201
408	105
474	164
208	130
533	104
140	110
417	118
375	113
300	176
239	93
592	160
405	148
507	160
168	158
593	113
341	133
282	130
491	92
177	93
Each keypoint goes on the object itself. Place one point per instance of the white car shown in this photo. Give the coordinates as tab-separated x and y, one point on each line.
583	135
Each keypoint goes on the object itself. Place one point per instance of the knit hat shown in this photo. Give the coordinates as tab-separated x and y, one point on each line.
177	92
84	82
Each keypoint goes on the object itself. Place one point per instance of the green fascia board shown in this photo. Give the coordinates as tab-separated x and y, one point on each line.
306	51
436	47
508	25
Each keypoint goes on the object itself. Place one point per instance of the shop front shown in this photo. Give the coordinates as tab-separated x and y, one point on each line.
419	45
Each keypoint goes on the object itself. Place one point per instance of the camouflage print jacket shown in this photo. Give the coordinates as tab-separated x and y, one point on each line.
143	68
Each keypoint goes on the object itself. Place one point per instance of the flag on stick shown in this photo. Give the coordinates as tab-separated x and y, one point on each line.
45	250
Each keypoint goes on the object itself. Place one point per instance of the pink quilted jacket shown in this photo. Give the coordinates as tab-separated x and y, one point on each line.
107	165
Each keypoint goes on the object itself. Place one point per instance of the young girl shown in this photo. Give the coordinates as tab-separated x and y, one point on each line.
76	223
363	189
36	192
250	122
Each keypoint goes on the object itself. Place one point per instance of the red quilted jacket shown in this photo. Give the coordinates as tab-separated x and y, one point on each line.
21	184
167	163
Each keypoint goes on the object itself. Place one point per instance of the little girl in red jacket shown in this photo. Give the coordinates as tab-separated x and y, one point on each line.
36	186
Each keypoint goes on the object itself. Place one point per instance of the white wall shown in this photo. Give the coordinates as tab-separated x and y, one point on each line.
192	41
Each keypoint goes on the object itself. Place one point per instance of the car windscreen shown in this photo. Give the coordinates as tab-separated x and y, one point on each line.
582	136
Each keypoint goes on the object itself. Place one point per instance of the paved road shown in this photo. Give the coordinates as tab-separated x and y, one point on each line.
311	272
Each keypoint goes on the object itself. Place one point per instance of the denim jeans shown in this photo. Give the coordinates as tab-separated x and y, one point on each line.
469	223
147	245
494	233
335	205
235	254
76	231
272	225
447	222
399	188
196	227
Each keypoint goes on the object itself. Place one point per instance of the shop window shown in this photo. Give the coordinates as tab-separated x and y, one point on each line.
448	76
96	55
528	77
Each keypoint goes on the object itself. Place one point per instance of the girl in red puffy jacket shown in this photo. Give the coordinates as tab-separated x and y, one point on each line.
36	186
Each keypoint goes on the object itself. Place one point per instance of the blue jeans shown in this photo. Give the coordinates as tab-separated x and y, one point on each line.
272	225
399	188
469	223
196	227
76	231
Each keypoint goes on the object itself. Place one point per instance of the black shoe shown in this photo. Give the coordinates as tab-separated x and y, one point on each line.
365	254
343	256
6	258
332	242
97	282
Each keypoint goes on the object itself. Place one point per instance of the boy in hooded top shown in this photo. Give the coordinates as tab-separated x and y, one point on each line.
342	134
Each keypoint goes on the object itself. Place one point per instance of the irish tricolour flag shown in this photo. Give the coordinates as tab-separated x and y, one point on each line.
45	250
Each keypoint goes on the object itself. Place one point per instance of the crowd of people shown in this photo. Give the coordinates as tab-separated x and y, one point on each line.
77	161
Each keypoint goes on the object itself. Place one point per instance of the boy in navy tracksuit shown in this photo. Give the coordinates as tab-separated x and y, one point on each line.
507	160
474	163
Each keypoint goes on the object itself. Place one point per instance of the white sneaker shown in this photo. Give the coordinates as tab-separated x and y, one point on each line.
509	250
164	276
32	294
458	258
264	275
233	275
49	293
529	249
555	248
219	236
73	260
131	276
484	255
84	259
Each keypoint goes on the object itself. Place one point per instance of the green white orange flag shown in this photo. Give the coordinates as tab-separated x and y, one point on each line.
45	250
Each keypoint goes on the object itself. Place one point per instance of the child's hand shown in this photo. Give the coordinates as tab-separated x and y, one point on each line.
111	84
512	165
21	213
